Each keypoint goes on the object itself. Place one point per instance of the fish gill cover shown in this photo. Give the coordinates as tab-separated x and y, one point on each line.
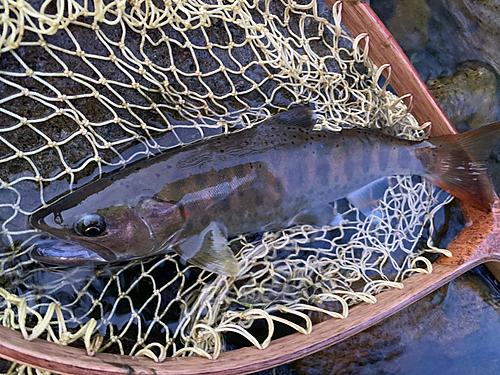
89	86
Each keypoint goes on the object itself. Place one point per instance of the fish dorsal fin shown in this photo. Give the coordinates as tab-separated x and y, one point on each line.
301	117
366	199
210	251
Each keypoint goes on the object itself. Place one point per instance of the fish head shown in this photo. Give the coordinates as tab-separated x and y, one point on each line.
114	233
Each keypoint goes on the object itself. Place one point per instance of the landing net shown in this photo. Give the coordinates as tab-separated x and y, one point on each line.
88	86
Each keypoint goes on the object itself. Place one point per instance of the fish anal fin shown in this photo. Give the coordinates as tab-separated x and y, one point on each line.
366	199
210	250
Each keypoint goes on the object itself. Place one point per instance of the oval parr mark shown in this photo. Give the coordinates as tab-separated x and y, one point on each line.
200	180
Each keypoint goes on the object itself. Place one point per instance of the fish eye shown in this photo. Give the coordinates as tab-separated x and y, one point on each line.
91	225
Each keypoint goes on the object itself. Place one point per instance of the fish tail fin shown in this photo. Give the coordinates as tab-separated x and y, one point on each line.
457	164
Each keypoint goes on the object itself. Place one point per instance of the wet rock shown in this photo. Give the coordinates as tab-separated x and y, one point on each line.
468	96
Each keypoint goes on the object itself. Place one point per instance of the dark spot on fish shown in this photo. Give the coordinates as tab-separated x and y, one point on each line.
241	193
205	220
294	136
221	151
189	226
200	180
169	167
138	168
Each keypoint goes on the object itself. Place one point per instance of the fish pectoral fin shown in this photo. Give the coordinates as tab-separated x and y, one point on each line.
366	199
316	216
210	251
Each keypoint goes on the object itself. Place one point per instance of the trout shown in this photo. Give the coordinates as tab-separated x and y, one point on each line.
269	177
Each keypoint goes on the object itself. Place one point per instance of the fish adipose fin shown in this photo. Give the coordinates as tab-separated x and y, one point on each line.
457	164
366	199
210	251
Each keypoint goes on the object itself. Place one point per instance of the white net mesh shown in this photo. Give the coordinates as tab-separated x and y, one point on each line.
87	87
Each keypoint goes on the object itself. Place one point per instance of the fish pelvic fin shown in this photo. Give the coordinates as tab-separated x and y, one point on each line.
210	250
457	164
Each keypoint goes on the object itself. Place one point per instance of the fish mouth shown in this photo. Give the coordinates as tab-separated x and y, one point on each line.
64	253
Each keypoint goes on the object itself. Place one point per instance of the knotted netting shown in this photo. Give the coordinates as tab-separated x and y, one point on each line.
89	86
